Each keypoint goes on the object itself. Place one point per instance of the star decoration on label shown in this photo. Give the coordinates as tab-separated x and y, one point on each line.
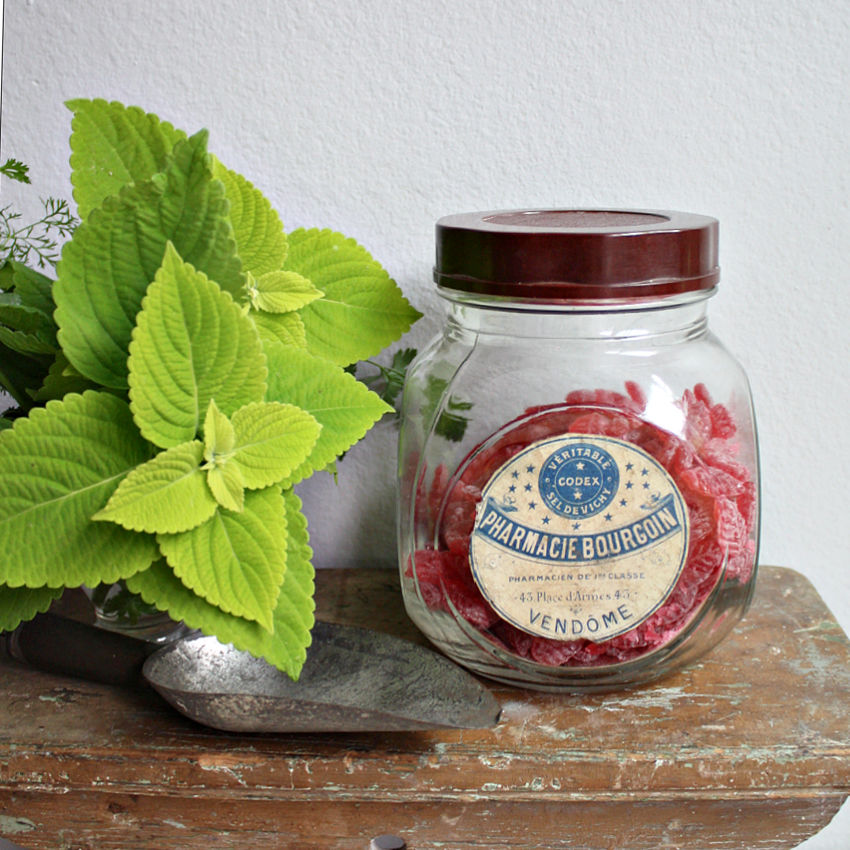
559	530
529	479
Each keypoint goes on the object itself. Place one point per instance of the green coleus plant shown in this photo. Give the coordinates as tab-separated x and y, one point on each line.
185	370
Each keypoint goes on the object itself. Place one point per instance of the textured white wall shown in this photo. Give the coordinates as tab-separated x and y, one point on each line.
375	117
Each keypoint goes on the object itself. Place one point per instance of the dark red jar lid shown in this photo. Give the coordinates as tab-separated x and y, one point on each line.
576	254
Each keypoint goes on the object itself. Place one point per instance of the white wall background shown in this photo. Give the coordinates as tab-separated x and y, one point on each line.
375	117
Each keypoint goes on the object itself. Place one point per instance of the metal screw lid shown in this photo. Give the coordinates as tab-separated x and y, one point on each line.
568	254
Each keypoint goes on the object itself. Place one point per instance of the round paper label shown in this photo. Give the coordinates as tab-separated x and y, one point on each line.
579	536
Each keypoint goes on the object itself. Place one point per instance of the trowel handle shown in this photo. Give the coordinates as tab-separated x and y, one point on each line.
59	645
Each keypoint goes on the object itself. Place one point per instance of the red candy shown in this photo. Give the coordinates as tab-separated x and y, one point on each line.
717	488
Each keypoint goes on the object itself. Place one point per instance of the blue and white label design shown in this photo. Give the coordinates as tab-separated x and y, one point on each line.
579	536
579	480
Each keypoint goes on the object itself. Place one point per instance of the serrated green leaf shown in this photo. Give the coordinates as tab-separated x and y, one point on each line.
362	311
227	486
256	225
24	343
168	494
114	255
30	320
18	604
235	561
272	440
281	292
113	145
286	328
192	343
293	617
33	288
60	380
219	436
58	467
286	646
342	405
224	477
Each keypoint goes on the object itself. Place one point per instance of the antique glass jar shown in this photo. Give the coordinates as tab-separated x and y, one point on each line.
579	491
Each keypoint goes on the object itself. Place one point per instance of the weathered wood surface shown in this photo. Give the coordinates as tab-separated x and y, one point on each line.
750	748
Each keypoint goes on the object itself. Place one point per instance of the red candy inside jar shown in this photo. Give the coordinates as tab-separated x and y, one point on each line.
604	538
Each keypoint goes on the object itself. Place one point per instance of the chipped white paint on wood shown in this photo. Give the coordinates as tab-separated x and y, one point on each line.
711	758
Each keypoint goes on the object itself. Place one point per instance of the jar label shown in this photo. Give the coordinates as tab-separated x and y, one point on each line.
579	537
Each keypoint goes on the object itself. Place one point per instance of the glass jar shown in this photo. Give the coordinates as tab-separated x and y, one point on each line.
578	468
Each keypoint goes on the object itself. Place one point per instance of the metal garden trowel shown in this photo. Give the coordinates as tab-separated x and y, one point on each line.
354	680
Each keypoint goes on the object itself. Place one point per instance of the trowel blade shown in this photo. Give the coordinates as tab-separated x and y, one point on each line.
354	680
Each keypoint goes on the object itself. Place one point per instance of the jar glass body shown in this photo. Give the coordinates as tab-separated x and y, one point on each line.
636	552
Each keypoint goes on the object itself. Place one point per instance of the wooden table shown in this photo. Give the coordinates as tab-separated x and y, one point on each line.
748	749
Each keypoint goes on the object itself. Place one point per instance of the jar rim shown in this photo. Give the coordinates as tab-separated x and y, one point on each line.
577	304
566	254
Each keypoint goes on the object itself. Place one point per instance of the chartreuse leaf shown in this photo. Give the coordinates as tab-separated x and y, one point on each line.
192	343
280	292
286	328
362	310
224	478
272	440
342	405
58	467
113	145
18	604
286	646
256	225
114	255
227	486
219	436
293	616
235	561
168	494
